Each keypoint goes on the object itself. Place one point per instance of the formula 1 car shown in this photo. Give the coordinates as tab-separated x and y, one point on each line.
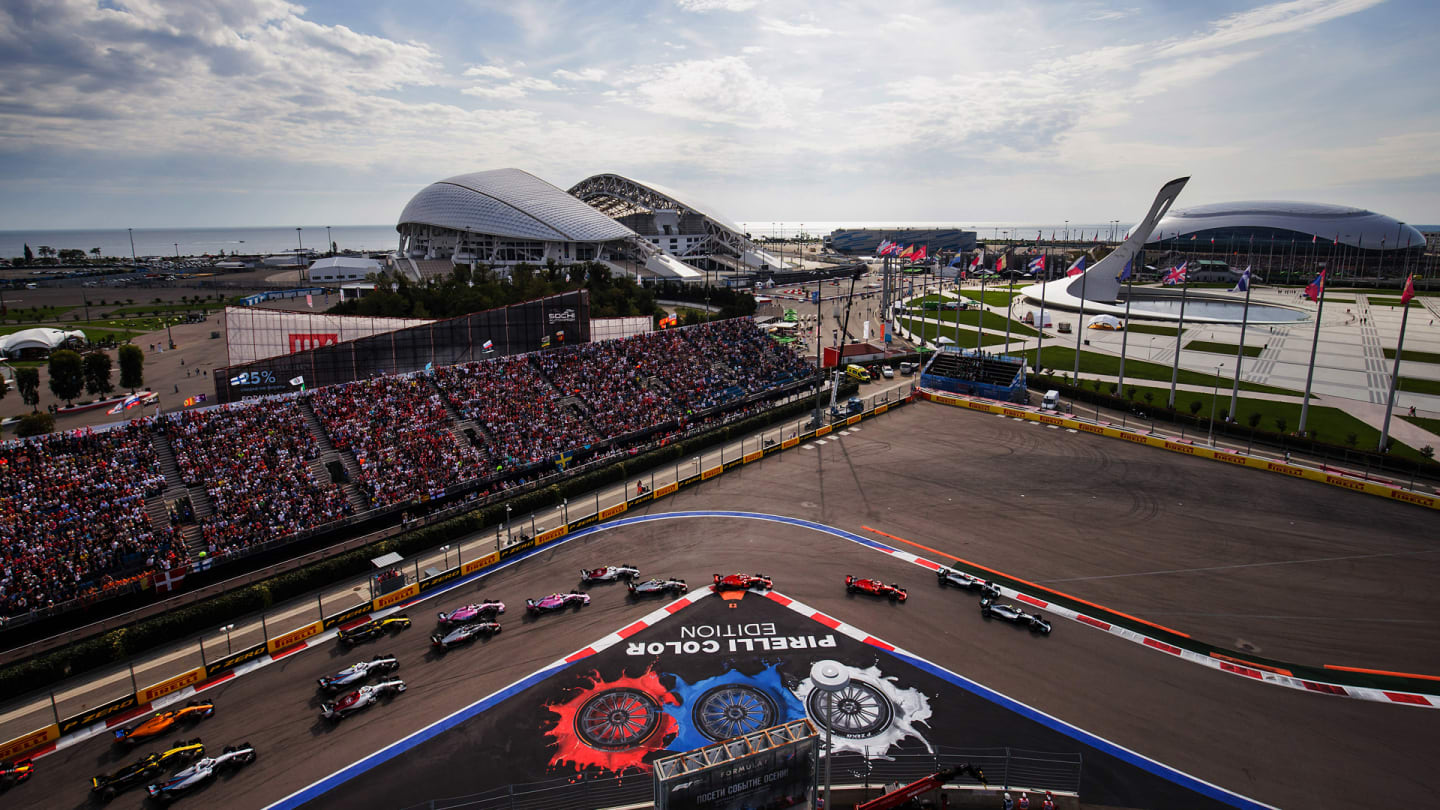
740	582
373	629
464	634
355	673
487	609
13	773
192	712
960	579
651	587
557	601
875	587
360	699
106	786
1037	624
234	756
608	573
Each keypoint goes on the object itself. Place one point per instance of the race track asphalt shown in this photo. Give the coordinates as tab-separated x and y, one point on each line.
1292	569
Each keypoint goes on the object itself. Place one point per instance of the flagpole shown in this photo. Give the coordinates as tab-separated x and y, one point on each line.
1125	338
1080	321
1008	304
1395	372
1240	350
1040	324
979	318
1314	345
1179	334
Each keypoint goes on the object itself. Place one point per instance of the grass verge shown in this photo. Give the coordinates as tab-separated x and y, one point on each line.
1227	349
1411	356
1062	359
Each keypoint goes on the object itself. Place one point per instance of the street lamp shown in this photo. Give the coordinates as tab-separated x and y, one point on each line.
329	243
299	276
507	524
1067	230
226	630
829	677
446	551
1214	388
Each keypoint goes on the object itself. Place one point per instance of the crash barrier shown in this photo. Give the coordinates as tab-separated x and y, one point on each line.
296	639
1233	457
1004	769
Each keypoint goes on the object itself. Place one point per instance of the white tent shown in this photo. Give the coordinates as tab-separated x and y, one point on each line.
41	337
1109	322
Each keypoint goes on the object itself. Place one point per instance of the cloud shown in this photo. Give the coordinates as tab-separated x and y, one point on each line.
504	91
488	71
723	90
1268	21
703	6
582	75
788	29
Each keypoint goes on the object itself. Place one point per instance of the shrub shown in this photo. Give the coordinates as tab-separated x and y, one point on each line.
35	424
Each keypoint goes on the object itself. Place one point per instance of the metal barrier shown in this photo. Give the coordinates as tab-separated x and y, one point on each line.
1004	768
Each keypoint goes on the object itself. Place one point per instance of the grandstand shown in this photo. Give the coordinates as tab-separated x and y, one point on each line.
993	376
93	511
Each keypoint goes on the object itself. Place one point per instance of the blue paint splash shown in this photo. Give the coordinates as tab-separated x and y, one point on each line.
767	682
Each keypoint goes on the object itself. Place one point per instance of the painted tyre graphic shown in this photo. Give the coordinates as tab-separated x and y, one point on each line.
730	710
856	711
617	718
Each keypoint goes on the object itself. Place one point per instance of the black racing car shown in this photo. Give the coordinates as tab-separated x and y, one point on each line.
653	587
13	773
373	629
960	579
992	610
106	786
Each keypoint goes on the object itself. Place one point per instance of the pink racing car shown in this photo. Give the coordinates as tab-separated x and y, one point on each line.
487	609
557	601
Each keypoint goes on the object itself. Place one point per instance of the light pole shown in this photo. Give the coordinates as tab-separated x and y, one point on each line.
329	244
133	260
1067	230
1214	389
299	276
226	630
829	677
446	551
507	524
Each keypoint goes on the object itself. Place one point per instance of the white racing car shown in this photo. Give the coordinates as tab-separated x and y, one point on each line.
608	573
361	698
970	582
357	672
990	609
234	756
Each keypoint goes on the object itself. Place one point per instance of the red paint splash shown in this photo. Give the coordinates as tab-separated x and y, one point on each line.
612	725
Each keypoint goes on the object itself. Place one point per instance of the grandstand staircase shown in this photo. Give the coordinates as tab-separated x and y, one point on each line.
158	509
461	428
319	466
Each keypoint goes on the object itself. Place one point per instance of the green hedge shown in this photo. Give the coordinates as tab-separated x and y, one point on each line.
49	668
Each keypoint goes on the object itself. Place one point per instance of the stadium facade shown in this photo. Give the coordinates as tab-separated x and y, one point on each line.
504	217
1268	233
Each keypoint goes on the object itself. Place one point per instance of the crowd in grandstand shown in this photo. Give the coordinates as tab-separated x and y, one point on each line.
253	462
398	429
72	506
72	514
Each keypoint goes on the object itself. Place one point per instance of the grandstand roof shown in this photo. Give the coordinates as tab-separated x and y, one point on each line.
509	203
1355	227
617	196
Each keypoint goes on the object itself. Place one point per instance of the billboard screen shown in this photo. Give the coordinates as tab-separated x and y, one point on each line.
751	772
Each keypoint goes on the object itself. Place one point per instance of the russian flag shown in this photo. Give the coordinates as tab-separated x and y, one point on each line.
488	346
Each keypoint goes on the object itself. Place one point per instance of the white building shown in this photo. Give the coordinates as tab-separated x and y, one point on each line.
343	268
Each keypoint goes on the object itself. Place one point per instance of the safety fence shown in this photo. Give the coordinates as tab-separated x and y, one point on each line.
1004	768
120	693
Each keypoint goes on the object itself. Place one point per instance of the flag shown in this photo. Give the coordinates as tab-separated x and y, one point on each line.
1077	268
867	331
309	300
235	380
202	564
1176	275
430	366
124	404
1313	237
544	341
297	380
977	259
131	401
919	254
1000	263
907	252
1316	288
1036	265
167	581
1192	236
488	345
189	401
1125	274
1409	291
563	460
1243	285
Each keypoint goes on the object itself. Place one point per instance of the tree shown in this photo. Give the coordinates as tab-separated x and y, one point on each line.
1149	397
97	373
1130	392
1280	424
1195	406
1428	452
29	254
95	251
67	375
27	381
132	367
35	424
1254	419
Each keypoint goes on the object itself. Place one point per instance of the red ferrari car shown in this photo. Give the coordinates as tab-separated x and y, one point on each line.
740	582
875	587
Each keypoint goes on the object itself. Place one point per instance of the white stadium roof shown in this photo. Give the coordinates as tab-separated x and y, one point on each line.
510	203
42	337
1355	227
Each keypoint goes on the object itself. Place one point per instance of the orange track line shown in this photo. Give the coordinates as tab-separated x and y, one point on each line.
1383	672
1242	662
1027	582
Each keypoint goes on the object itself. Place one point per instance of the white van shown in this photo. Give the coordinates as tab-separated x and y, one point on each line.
1051	401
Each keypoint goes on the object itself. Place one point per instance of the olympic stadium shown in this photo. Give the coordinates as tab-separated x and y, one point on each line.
505	217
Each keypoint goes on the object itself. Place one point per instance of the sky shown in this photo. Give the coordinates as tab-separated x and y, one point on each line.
194	113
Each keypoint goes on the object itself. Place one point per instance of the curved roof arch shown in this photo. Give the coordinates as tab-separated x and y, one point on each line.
618	196
509	203
1356	227
41	337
